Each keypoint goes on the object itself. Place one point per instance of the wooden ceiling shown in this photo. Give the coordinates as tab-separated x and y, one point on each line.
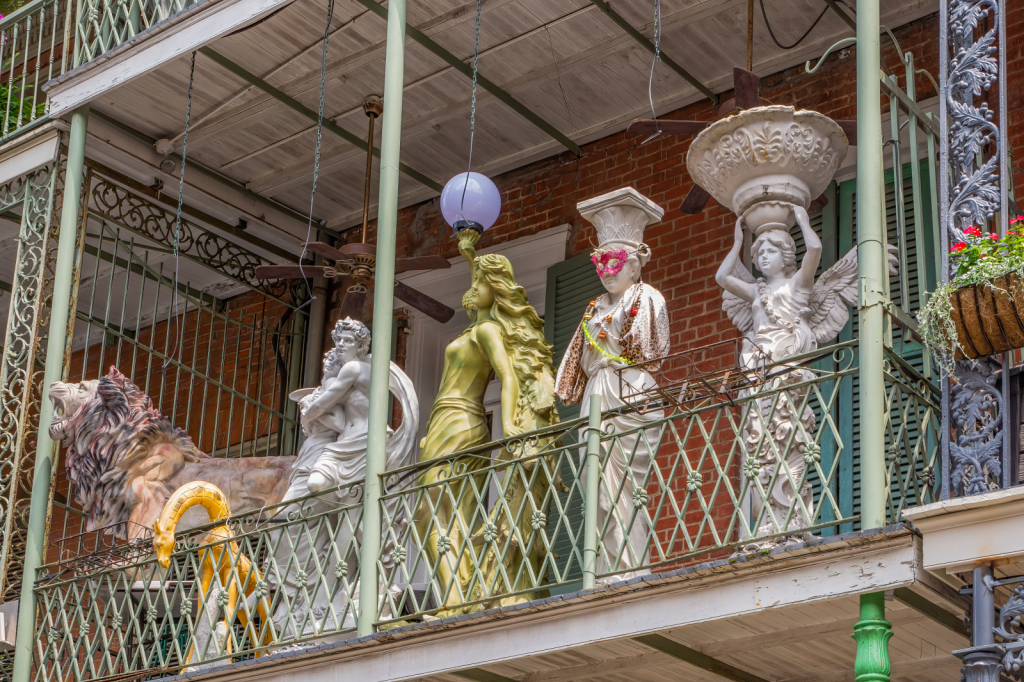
565	60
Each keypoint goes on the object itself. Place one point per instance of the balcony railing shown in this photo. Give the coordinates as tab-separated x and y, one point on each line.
107	24
502	523
34	47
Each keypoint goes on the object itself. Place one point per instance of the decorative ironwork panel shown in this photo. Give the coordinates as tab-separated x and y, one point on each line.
106	24
18	362
143	217
973	191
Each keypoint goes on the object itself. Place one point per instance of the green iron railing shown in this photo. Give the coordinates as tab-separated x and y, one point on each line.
34	47
106	24
501	523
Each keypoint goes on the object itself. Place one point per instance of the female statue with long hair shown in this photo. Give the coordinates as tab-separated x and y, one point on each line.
505	340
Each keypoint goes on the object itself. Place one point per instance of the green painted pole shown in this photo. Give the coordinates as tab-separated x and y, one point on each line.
593	483
35	538
872	633
383	302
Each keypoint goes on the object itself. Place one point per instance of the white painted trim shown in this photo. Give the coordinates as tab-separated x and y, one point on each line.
965	532
723	595
38	148
176	36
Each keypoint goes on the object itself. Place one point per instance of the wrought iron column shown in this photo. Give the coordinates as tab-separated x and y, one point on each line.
383	302
872	633
983	660
35	540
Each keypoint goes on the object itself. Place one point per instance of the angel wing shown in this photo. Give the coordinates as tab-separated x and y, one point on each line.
836	289
738	310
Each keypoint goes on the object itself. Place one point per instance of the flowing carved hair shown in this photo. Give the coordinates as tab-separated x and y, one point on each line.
523	336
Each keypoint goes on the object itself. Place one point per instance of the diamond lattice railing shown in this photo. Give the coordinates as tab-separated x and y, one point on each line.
501	523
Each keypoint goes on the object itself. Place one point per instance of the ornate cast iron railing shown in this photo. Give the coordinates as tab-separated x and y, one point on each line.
106	24
520	533
35	46
120	615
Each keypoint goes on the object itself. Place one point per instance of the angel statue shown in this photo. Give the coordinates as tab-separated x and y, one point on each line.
782	314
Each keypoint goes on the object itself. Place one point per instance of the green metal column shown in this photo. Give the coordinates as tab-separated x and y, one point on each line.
872	633
593	483
35	540
383	302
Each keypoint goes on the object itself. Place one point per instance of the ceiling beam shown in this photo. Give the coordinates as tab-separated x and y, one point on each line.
485	83
842	15
907	596
695	658
649	46
300	108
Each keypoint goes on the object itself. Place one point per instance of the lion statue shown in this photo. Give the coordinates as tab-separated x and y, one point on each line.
124	459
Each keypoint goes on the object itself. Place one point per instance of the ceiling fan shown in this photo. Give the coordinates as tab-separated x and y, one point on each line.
747	89
358	260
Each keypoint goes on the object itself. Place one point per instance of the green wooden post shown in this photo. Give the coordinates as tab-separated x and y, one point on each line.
872	633
383	302
590	529
35	537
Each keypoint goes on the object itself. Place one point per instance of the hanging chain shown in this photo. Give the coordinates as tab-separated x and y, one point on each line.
472	104
316	153
177	217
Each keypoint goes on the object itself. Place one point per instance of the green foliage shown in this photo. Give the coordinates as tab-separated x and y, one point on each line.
979	260
11	100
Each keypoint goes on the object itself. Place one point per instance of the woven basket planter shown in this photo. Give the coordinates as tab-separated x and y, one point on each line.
986	317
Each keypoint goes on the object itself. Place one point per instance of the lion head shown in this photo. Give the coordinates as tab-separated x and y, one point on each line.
67	399
120	451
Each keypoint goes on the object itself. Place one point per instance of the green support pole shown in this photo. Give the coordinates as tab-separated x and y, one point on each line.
35	540
593	483
872	633
383	302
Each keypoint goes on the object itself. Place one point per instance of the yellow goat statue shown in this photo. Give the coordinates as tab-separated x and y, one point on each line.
214	559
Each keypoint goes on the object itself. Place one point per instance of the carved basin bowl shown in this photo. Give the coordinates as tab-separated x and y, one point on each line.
761	161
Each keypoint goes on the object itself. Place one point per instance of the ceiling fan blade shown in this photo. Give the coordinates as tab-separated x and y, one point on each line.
325	250
850	128
695	201
425	304
747	86
818	204
290	271
648	126
421	263
353	303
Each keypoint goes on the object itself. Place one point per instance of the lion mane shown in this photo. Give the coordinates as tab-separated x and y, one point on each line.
124	458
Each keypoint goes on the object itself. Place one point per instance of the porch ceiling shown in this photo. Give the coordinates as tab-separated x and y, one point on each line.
565	60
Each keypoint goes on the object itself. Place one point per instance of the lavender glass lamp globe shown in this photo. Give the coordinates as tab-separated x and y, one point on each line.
470	201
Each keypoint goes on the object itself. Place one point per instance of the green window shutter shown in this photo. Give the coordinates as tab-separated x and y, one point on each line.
572	284
849	405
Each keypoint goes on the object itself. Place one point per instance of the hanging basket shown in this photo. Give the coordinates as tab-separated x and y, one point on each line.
988	316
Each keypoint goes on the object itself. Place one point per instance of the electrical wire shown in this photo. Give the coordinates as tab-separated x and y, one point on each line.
655	60
472	106
316	153
775	40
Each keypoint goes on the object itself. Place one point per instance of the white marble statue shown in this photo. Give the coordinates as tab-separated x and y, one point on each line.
334	421
626	326
782	314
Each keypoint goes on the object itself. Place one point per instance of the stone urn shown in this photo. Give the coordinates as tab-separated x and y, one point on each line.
761	161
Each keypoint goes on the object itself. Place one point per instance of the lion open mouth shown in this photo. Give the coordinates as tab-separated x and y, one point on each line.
58	397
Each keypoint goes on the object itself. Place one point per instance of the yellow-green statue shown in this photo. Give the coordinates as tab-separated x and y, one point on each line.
505	340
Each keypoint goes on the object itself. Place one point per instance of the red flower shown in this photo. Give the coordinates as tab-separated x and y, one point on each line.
992	235
973	231
1011	233
1018	219
959	246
